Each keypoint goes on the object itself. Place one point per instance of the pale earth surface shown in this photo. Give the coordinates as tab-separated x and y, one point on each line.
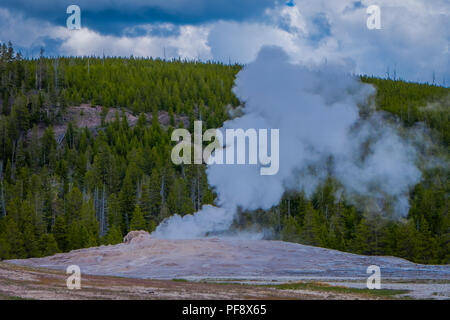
247	261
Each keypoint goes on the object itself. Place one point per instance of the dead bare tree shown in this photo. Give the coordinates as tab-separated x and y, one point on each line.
198	189
2	199
279	219
41	62
289	206
193	192
56	73
162	192
102	213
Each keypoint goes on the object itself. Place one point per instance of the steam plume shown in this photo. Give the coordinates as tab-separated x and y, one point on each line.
326	127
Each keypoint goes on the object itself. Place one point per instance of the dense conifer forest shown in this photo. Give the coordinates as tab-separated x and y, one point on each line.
90	187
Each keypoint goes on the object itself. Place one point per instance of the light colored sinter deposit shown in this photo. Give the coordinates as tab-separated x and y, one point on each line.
141	256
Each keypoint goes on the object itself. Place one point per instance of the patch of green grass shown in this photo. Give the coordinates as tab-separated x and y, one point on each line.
180	280
318	286
7	297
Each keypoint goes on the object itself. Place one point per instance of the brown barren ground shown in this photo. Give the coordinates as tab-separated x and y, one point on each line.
39	283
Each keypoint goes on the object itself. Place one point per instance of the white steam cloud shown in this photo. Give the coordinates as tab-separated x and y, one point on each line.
318	111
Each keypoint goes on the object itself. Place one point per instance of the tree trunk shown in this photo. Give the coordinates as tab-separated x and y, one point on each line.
3	199
198	191
289	207
162	189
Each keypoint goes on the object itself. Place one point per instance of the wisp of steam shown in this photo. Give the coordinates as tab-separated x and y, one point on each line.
326	126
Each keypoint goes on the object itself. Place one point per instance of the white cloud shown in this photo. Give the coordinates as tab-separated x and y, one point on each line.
240	42
189	43
23	32
414	38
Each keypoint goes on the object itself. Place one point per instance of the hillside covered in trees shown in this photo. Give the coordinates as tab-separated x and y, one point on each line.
93	186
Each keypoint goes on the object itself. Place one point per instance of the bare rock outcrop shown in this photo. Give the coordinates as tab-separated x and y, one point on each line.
136	236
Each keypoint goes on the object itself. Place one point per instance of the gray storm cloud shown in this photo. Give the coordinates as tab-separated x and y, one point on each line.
325	123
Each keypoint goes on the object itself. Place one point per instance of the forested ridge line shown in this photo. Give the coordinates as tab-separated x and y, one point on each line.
92	188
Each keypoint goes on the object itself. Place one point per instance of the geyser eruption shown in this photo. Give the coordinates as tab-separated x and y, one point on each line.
326	126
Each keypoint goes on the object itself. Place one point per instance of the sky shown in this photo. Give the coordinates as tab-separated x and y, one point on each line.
412	43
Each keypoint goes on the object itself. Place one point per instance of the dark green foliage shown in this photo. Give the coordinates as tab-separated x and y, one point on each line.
414	102
48	245
137	220
114	236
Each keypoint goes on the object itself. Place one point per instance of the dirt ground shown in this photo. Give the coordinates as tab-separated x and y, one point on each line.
18	282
